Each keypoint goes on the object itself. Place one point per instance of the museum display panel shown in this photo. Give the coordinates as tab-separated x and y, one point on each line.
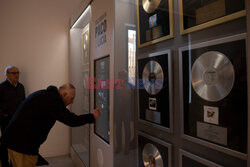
209	104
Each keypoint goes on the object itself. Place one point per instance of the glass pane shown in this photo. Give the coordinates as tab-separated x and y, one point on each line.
79	67
196	12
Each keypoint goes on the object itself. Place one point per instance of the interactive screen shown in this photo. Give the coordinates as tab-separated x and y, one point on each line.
102	128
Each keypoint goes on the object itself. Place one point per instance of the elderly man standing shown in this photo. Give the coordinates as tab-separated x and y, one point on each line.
11	95
34	119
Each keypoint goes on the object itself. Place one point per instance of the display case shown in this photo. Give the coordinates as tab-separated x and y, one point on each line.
79	74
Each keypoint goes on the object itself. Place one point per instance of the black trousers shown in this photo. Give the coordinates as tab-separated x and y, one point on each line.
3	150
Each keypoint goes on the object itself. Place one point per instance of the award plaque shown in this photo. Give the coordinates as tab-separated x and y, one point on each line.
187	159
214	84
101	97
85	45
155	90
153	152
199	14
154	21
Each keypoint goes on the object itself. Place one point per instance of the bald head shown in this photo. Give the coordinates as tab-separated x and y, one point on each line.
12	73
66	86
67	92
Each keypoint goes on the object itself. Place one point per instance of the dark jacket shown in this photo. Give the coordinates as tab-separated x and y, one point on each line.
34	118
10	97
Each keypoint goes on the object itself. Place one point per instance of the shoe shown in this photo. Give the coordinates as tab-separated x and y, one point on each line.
41	161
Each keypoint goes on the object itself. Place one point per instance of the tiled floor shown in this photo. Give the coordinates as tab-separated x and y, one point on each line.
62	161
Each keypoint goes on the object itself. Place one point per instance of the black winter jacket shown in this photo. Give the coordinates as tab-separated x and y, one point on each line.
34	118
10	97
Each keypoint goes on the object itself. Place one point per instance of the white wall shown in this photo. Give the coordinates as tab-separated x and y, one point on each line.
34	36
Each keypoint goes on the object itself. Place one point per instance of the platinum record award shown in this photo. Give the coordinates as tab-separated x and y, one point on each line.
153	152
154	90
215	93
212	76
151	156
153	77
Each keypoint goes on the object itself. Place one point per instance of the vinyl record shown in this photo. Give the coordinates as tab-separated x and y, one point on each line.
150	5
212	76
153	77
151	156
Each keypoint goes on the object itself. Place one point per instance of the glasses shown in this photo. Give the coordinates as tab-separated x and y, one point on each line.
14	73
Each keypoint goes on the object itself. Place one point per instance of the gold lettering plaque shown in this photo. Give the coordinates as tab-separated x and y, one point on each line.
211	11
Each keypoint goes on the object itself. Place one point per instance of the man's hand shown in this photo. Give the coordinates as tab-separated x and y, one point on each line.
4	115
96	113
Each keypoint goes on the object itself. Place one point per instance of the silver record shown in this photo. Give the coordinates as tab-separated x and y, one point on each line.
151	156
153	77
212	76
150	5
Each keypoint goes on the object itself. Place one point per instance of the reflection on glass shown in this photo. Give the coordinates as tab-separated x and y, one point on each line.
131	56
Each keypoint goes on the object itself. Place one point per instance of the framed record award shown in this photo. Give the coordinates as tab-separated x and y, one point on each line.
154	21
85	45
213	83
153	152
155	90
187	159
199	14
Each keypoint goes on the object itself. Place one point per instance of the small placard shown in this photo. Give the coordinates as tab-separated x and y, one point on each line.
152	104
211	114
153	116
212	133
210	11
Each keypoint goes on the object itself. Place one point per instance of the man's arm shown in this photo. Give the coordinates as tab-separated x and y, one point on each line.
65	116
74	120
